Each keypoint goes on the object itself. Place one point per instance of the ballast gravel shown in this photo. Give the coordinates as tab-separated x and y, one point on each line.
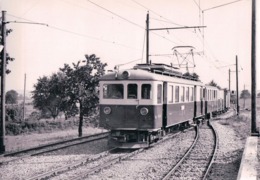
152	163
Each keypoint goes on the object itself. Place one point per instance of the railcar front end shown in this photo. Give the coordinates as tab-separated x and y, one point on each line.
131	108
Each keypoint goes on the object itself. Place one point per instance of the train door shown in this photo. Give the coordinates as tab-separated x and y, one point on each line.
165	104
203	101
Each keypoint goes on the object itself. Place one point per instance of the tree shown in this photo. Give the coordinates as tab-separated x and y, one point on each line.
191	75
245	94
213	83
81	85
47	94
8	58
11	97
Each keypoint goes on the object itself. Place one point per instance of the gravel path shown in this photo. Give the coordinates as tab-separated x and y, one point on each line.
232	136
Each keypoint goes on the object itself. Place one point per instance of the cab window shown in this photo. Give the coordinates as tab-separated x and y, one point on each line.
132	91
113	91
146	91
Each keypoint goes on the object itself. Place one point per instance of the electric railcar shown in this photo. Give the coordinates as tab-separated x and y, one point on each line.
140	105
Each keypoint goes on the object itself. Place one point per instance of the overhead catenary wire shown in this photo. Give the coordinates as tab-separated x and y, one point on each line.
131	22
74	33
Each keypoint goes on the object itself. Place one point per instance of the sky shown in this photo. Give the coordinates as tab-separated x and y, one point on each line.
114	30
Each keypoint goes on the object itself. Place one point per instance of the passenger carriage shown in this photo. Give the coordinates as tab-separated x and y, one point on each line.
139	104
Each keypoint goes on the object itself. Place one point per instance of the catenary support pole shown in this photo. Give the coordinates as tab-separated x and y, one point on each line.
24	90
147	38
253	70
237	86
229	80
3	70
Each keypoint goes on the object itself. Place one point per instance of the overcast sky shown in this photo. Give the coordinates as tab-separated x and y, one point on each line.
114	30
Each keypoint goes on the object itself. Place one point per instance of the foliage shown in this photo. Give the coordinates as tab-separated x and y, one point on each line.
191	75
16	128
48	94
14	112
73	90
35	116
8	57
11	97
213	83
245	94
81	85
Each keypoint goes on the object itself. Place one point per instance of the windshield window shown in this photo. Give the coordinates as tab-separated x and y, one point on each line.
113	91
146	91
132	91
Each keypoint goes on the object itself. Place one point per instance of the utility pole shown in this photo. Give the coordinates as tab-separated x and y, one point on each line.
253	71
147	38
244	97
237	85
229	79
3	70
24	89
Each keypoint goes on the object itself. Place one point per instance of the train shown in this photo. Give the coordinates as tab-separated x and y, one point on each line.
142	104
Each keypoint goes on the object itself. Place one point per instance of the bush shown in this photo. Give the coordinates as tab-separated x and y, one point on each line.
34	124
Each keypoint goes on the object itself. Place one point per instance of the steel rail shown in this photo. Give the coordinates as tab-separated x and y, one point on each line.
107	164
104	135
52	144
168	175
68	167
214	153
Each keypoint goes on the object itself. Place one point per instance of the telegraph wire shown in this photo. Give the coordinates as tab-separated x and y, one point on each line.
105	9
156	13
221	5
83	7
29	9
75	33
129	20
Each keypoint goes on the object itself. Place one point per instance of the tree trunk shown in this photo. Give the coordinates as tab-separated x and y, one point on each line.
80	119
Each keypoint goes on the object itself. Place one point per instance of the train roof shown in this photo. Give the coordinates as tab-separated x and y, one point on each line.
146	75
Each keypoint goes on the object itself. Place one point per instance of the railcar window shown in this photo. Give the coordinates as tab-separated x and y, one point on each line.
191	93
146	91
113	91
132	91
159	93
170	94
182	93
177	93
204	94
187	93
201	93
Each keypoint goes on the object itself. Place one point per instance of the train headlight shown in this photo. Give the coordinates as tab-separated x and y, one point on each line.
126	74
144	111
107	110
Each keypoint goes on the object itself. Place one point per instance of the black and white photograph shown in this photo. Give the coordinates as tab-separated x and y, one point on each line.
129	89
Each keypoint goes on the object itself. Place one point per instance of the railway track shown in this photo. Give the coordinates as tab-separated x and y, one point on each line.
51	147
83	168
197	161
